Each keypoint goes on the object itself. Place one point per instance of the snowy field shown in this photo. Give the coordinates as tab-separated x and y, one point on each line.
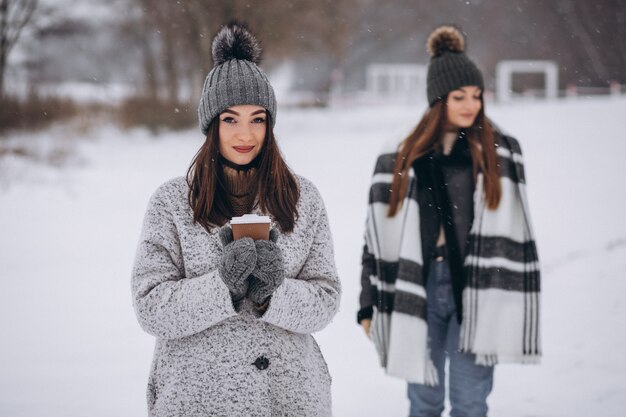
69	342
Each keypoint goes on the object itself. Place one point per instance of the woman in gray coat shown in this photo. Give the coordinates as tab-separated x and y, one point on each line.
233	318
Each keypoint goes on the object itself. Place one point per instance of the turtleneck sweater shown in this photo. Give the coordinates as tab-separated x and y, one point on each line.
240	183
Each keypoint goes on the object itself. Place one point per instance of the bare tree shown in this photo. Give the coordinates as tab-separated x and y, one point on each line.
14	16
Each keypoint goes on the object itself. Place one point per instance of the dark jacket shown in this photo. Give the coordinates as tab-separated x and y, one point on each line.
445	196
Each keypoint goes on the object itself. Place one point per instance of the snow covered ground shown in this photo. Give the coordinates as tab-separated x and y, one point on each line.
69	342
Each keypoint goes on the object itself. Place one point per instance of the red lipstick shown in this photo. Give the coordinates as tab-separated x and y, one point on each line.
243	149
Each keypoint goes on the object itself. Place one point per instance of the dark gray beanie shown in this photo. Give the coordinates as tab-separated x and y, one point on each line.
449	67
235	78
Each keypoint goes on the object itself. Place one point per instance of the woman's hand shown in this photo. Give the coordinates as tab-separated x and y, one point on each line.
366	323
269	271
238	261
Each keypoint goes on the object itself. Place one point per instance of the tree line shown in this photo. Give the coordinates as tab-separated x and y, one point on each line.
164	46
175	36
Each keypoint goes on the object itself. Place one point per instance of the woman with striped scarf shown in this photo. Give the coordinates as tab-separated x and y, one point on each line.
450	267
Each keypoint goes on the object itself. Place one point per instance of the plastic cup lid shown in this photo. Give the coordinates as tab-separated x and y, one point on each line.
250	218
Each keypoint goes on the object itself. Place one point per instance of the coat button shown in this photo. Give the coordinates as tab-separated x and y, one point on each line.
261	362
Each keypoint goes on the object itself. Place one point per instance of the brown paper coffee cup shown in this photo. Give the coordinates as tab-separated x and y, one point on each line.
251	225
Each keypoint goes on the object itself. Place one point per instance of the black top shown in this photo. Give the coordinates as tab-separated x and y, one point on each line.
445	196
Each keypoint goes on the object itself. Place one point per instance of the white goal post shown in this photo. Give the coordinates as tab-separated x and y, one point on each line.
506	69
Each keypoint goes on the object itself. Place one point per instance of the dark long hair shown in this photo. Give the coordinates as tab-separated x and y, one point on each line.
277	188
427	136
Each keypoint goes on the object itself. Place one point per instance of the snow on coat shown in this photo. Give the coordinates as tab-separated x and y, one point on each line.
210	360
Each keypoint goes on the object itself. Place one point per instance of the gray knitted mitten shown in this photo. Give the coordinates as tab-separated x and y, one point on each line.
238	261
269	272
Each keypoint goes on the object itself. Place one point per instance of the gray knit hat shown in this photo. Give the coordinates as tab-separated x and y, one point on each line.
235	78
449	67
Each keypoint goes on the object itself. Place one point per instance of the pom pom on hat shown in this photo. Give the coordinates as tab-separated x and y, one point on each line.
445	39
235	41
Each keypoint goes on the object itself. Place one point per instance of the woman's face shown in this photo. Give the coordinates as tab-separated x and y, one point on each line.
463	105
242	133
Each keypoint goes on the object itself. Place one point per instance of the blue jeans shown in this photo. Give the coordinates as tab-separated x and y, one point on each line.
469	384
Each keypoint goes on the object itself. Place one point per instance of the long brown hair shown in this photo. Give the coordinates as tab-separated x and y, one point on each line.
427	136
277	188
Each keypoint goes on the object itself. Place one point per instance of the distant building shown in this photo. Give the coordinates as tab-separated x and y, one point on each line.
396	82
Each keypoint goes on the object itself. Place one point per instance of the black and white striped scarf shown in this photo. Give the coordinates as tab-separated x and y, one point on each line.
501	297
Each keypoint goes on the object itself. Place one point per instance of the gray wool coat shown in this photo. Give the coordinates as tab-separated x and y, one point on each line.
211	360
